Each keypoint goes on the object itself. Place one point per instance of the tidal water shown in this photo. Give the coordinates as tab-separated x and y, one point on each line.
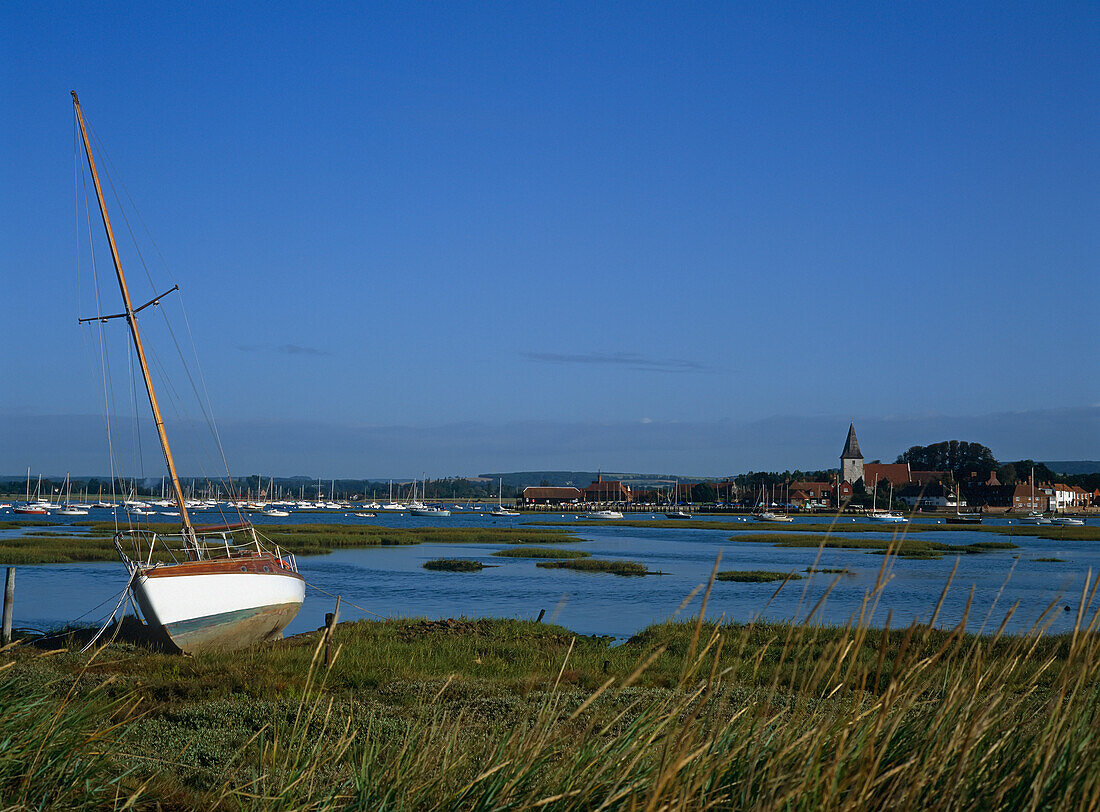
390	582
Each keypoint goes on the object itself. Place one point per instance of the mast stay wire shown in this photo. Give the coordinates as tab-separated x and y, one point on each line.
204	408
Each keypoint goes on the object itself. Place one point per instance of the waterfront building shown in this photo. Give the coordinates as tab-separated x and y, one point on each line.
1027	498
607	490
551	496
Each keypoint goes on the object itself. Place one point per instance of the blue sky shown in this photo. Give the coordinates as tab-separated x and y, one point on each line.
451	223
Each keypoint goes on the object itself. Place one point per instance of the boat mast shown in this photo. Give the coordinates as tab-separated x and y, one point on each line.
131	319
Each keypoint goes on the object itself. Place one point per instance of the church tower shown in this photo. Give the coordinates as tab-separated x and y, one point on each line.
851	460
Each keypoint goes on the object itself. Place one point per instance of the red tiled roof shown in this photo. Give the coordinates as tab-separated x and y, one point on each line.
895	472
552	493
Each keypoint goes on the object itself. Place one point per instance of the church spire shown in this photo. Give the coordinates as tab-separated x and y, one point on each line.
851	446
851	460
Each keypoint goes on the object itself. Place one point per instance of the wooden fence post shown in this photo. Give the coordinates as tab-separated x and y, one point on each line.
331	619
9	600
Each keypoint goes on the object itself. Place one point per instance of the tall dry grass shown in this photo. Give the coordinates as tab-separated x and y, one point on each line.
756	716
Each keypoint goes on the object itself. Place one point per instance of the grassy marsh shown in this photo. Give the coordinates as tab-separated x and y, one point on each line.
94	541
454	565
626	568
493	714
541	552
846	525
756	576
902	547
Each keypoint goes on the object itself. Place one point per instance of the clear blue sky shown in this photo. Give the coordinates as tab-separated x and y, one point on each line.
507	226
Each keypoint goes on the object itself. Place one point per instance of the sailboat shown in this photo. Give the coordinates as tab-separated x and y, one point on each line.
37	507
962	518
222	589
1034	516
769	515
500	510
679	513
68	508
392	505
429	511
884	516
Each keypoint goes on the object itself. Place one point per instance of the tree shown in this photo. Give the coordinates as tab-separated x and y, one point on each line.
957	456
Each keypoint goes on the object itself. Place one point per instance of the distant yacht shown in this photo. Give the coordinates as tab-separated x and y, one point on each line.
886	517
500	510
768	516
429	512
604	514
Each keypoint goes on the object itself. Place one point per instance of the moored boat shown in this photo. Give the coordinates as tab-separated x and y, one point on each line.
221	588
604	514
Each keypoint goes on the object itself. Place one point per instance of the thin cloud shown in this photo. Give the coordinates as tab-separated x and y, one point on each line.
629	360
283	349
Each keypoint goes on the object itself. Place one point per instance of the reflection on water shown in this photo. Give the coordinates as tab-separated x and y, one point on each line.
390	581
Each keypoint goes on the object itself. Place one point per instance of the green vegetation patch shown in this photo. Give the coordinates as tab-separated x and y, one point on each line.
756	576
541	552
97	544
627	568
1050	560
901	547
454	565
846	525
829	570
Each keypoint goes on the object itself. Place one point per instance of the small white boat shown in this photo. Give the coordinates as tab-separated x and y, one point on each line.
394	506
1067	521
678	514
364	515
604	514
274	512
32	510
502	511
768	516
72	510
430	512
1034	518
886	517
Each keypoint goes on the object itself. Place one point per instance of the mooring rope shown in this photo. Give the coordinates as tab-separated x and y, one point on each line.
344	601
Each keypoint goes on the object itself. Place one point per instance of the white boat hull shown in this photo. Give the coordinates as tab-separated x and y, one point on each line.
224	604
886	518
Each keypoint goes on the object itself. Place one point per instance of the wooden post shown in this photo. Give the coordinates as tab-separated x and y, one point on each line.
541	613
9	599
331	619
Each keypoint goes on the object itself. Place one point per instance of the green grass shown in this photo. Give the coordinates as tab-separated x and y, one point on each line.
454	565
541	552
828	570
306	539
494	714
627	568
845	525
756	576
902	547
